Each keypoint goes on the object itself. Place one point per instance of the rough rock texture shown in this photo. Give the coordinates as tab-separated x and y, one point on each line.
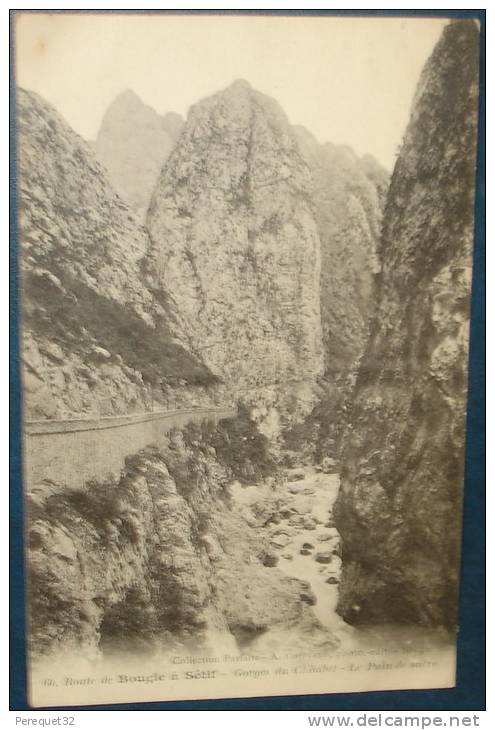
234	235
399	507
95	337
159	560
349	194
133	143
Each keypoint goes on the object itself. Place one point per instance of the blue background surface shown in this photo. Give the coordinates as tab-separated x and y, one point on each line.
469	694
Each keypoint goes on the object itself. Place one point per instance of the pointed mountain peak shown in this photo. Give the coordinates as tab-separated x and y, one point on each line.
236	101
129	111
129	105
133	143
128	96
241	84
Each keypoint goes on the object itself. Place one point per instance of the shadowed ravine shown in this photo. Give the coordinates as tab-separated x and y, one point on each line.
308	546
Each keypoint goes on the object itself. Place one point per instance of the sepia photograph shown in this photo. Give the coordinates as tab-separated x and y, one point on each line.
245	248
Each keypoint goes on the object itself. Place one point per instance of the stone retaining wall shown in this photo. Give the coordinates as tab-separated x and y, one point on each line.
72	452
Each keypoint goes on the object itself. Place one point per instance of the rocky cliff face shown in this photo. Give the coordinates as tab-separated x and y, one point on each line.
162	559
95	338
349	194
399	507
233	233
133	143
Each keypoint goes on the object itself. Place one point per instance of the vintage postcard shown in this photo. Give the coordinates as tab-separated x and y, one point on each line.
245	250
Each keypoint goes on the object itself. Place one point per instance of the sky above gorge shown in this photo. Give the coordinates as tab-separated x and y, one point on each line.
348	80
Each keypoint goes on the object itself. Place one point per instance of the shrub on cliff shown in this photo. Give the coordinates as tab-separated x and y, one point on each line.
241	446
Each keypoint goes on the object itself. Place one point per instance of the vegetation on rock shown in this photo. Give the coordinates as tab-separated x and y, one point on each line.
84	293
400	505
158	558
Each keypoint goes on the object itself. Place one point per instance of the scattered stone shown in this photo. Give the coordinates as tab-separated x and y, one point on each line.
305	551
281	531
308	596
297	521
324	557
48	279
333	532
308	546
324	537
280	540
101	352
295	476
328	465
270	560
291	459
288	556
332	580
42	491
303	506
310	523
53	351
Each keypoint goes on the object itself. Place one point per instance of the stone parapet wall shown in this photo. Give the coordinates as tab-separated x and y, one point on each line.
70	453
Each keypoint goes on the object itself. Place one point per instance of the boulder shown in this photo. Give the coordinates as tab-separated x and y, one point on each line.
295	476
328	465
325	556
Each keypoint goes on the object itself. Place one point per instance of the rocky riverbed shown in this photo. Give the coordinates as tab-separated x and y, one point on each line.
312	550
289	597
297	517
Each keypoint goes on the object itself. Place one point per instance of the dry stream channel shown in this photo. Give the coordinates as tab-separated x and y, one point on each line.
303	537
306	542
307	545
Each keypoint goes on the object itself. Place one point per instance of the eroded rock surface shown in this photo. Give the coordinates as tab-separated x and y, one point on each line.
399	508
133	143
234	235
160	560
349	195
95	337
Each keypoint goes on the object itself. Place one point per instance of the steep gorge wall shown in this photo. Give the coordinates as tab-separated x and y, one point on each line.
226	227
400	503
159	560
147	555
349	196
233	234
95	338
